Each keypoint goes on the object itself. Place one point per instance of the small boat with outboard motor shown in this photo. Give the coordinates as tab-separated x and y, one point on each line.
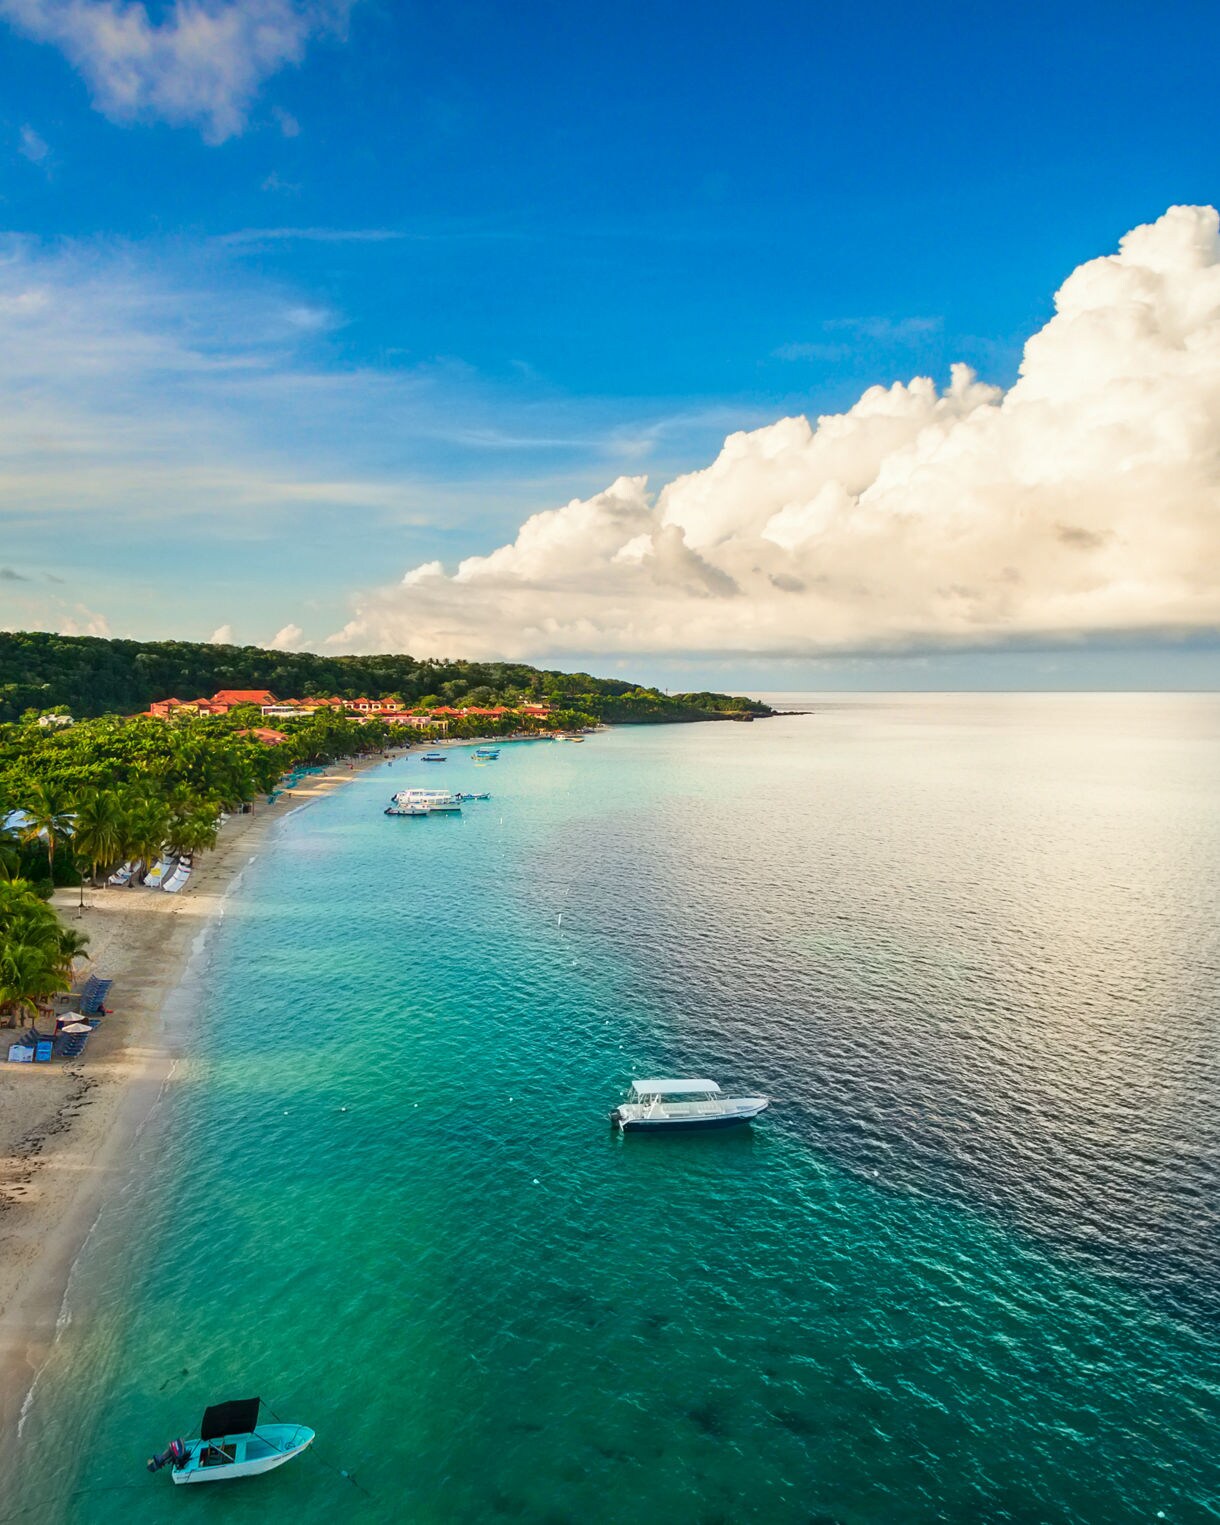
231	1444
434	757
665	1106
486	754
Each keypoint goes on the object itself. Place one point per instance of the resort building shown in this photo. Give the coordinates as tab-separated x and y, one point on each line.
230	697
387	709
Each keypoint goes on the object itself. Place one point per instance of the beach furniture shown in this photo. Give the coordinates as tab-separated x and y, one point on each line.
93	993
72	1039
178	878
20	1053
158	873
43	1050
232	1444
122	875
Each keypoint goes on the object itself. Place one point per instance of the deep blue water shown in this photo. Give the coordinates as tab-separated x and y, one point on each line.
965	1270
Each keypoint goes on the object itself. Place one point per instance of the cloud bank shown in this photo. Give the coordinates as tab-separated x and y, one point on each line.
202	65
1085	500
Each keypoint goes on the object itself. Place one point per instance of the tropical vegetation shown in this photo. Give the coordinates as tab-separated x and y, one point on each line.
36	951
88	676
78	801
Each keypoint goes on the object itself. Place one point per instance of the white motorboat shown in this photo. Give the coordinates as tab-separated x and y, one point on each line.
424	801
676	1105
232	1444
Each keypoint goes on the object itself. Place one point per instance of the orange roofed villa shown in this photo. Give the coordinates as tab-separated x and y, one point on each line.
389	710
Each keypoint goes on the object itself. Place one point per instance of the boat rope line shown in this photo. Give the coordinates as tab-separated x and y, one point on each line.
318	1457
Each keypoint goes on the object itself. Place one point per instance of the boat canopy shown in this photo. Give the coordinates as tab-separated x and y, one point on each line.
239	1417
674	1087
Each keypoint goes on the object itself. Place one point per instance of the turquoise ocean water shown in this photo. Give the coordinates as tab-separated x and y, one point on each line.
966	1269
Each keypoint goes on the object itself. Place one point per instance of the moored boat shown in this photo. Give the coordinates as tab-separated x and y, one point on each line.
232	1444
434	757
424	802
680	1105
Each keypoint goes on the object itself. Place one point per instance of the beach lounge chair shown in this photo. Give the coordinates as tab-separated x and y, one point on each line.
159	873
122	875
42	1050
177	880
93	993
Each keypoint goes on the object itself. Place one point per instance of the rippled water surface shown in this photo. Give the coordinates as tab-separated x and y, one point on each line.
966	1269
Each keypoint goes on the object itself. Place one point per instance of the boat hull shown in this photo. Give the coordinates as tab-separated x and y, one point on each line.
287	1441
682	1125
633	1118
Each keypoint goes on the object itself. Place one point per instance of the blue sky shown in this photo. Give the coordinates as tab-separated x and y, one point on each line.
277	336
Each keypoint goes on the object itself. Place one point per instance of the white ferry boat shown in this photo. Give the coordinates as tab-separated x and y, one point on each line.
423	802
675	1105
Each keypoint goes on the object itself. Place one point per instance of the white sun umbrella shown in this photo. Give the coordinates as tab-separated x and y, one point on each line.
76	1027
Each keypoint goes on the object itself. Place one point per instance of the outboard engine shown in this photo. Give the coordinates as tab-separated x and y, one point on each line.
175	1452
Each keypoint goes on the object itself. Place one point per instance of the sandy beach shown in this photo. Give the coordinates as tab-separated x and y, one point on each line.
67	1128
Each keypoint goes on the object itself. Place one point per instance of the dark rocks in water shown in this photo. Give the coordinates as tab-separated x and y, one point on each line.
795	1421
708	1418
507	1504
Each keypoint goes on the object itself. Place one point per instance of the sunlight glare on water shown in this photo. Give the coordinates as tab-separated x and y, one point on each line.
965	1270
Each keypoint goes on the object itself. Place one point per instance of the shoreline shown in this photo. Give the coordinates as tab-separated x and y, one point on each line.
68	1131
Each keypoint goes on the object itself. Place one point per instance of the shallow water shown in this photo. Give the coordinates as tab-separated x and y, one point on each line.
966	1269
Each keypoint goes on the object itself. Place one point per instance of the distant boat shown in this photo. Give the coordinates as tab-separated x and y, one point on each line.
434	757
487	754
679	1105
232	1444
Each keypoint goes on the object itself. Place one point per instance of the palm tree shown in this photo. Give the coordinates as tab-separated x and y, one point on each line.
194	830
10	852
72	945
36	950
147	825
28	975
48	818
98	833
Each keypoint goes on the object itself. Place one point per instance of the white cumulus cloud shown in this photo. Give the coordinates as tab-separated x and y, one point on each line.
287	638
1084	500
222	636
202	63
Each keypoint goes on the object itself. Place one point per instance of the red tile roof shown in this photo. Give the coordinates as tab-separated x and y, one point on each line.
244	696
264	734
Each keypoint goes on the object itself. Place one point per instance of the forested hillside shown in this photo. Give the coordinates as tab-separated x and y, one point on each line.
87	675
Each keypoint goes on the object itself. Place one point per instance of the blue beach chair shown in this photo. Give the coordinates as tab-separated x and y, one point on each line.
94	993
